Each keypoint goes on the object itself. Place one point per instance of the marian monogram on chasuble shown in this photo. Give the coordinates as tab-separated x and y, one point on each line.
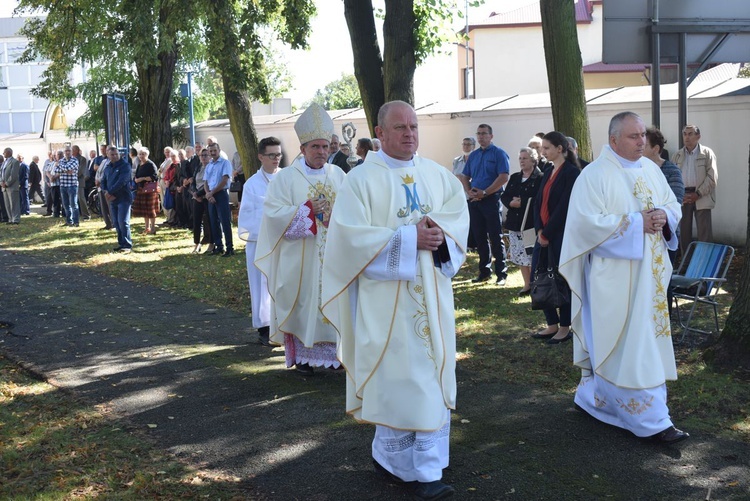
321	191
412	211
643	193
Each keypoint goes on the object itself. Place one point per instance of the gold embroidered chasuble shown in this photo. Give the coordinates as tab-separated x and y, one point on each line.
627	312
397	337
293	266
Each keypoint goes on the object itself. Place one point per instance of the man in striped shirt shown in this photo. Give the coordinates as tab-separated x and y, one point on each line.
67	173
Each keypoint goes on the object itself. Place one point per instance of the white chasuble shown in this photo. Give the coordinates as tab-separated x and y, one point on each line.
397	334
290	250
618	275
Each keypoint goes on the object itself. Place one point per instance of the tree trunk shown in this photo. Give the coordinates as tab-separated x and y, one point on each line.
565	72
155	88
399	61
733	347
368	64
222	34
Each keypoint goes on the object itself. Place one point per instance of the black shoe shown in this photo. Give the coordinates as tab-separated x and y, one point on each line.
217	251
228	253
387	474
670	436
304	369
125	250
523	293
481	278
561	340
540	335
432	491
117	249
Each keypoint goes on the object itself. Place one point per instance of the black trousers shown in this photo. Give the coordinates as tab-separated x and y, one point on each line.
200	220
487	228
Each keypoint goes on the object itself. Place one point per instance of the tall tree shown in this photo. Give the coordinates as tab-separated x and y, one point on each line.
565	72
412	30
115	36
235	50
733	347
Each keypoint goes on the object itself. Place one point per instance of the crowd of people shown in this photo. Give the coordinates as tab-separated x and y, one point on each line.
350	267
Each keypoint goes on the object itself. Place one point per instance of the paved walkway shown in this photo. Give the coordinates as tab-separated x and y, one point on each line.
231	407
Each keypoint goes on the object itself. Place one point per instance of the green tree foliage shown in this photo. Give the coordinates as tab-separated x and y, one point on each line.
130	46
339	94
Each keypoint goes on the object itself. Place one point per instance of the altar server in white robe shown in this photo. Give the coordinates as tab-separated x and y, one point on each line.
248	225
621	220
396	239
291	245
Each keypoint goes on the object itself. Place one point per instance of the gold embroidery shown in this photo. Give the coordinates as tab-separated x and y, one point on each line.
421	323
328	192
643	193
599	402
622	227
635	408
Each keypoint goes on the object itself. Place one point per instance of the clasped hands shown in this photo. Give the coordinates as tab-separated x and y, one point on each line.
429	235
318	205
653	221
690	198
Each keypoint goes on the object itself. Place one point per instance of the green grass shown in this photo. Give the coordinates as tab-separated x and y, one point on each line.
54	447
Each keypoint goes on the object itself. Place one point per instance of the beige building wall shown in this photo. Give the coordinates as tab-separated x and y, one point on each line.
614	80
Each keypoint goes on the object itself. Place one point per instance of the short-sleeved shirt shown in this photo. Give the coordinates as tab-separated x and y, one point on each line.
485	165
215	171
67	179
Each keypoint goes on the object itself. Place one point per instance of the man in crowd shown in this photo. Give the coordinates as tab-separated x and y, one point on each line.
248	225
67	174
574	146
54	197
700	174
9	182
385	265
101	163
467	146
292	242
486	172
35	180
218	174
336	155
375	144
82	179
621	220
23	186
116	190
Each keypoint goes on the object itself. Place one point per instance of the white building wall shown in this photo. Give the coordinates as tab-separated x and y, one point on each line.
724	123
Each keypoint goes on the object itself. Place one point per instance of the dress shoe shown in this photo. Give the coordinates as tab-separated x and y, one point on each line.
561	340
387	474
670	436
433	490
125	250
304	369
117	249
228	253
217	251
541	335
481	278
209	249
524	292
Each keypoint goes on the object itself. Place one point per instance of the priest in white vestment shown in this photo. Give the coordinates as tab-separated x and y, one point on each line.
396	239
291	246
248	226
621	220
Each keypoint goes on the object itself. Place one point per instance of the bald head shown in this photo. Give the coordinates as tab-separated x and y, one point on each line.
397	130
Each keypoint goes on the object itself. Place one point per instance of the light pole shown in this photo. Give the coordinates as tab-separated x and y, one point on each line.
186	90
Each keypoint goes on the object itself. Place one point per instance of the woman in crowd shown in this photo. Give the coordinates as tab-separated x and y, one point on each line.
200	206
134	162
518	197
146	204
653	151
168	177
550	213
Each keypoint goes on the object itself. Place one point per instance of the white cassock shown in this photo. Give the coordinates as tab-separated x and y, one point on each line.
290	251
619	278
248	226
393	307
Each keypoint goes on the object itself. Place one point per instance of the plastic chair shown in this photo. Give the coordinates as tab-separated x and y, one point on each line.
698	279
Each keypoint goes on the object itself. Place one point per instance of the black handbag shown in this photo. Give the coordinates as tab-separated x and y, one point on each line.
235	186
549	289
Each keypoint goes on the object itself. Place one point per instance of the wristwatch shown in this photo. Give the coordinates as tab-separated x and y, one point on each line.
484	193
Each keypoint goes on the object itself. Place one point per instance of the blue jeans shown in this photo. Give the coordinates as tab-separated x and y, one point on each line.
70	202
221	220
120	212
